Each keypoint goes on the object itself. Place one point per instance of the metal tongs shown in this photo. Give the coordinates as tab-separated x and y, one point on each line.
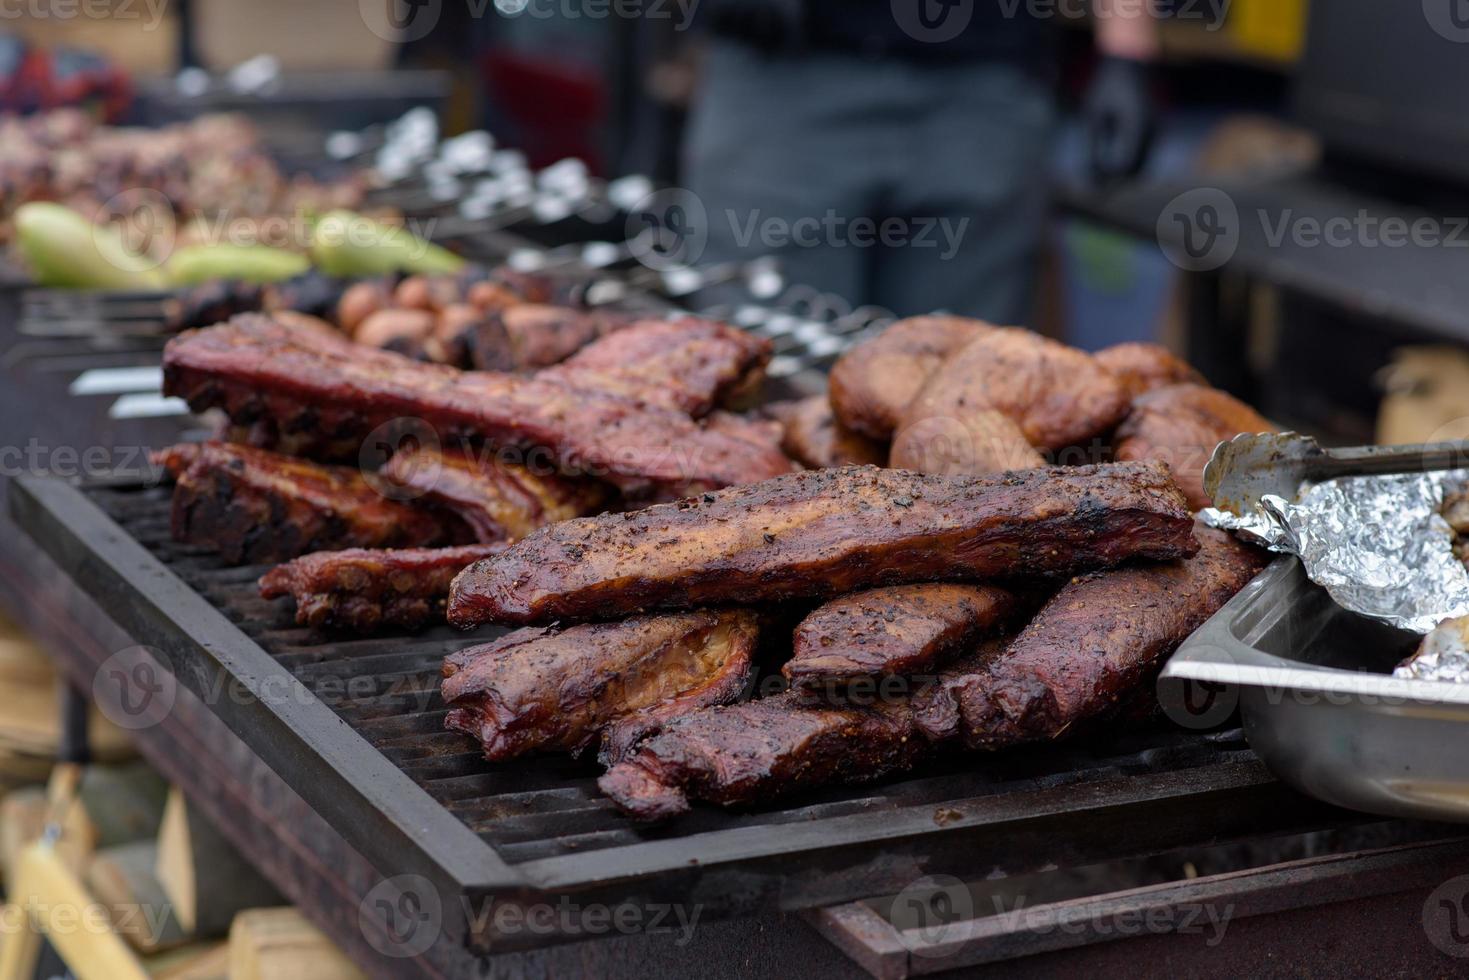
1251	467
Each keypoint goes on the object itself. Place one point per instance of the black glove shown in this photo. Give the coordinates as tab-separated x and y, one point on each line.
1121	119
771	25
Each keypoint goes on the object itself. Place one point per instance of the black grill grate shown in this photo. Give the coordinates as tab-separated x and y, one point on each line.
386	688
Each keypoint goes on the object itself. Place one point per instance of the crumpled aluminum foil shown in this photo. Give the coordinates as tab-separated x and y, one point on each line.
1377	544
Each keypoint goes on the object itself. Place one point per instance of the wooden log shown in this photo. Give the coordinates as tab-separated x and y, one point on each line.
22	820
201	961
279	944
203	875
122	878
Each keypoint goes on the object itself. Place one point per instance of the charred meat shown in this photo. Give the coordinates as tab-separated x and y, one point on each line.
1090	648
254	506
497	498
362	590
559	688
894	631
814	438
822	533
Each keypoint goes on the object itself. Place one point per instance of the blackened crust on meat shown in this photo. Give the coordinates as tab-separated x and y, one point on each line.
363	590
1090	649
822	533
892	632
558	689
253	506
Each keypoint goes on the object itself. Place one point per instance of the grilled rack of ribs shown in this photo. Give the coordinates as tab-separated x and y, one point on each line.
498	499
892	632
323	394
812	436
559	688
687	365
254	506
873	383
1089	648
362	590
822	533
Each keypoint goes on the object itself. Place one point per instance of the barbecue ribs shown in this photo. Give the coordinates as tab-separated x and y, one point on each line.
324	394
254	506
498	499
895	631
558	689
685	365
1089	649
363	591
821	533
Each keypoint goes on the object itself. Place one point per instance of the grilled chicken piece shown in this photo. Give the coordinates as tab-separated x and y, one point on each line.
557	689
873	383
897	631
1143	367
1089	649
821	533
1182	425
977	443
254	506
687	365
497	498
208	303
363	591
1057	395
814	438
322	394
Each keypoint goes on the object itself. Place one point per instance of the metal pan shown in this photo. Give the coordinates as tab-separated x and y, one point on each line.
1312	681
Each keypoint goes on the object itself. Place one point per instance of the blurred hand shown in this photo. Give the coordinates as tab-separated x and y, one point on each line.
1121	119
768	24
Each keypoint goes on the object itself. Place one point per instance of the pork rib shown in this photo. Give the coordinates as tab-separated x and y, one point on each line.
1089	648
686	365
891	632
821	533
497	498
558	689
326	394
362	591
253	506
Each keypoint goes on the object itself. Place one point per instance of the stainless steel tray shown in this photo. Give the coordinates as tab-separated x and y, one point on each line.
1312	681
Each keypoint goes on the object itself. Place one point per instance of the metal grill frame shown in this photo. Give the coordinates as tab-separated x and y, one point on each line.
791	864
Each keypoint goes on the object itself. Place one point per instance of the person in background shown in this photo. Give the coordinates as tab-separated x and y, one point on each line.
928	120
